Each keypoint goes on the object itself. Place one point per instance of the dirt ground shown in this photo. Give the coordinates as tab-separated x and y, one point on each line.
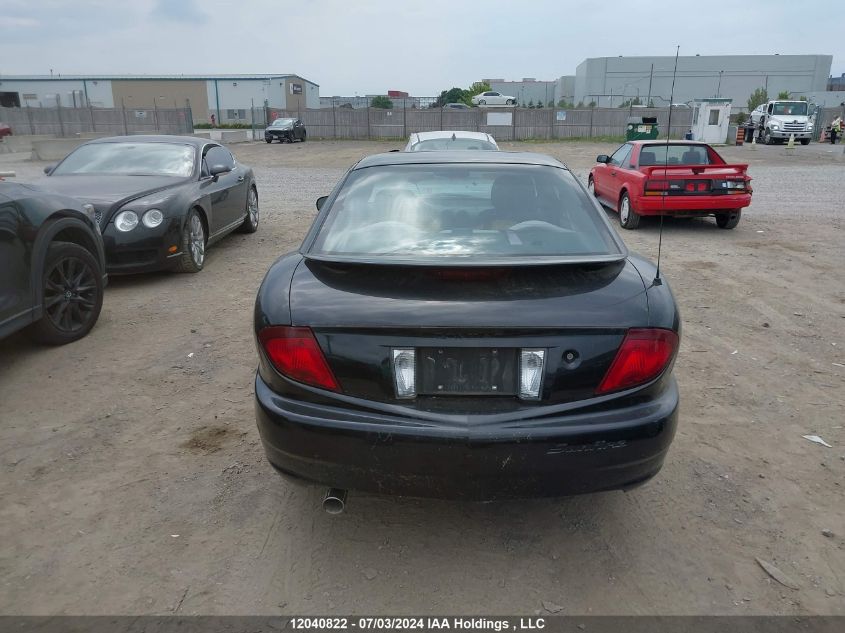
133	479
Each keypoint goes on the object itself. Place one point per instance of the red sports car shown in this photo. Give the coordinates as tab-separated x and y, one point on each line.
679	178
5	129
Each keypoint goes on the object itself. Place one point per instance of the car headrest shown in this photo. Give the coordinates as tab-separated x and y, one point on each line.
512	193
648	158
692	157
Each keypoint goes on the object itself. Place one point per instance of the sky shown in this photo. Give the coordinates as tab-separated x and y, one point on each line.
370	46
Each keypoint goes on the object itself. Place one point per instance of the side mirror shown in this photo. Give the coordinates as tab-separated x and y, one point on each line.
216	170
602	158
321	201
49	169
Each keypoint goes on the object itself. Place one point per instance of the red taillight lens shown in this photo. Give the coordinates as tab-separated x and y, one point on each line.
643	355
295	353
656	185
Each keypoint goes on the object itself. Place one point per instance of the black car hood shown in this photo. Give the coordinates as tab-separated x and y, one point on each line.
108	189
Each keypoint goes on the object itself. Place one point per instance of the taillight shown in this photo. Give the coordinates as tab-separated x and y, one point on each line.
643	356
296	354
656	185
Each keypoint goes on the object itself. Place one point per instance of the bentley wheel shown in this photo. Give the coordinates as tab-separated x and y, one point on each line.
72	294
628	218
250	224
193	244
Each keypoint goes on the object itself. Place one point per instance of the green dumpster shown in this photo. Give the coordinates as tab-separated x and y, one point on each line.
639	128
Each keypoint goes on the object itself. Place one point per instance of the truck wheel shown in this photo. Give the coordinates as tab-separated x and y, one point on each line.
728	220
767	138
628	218
805	141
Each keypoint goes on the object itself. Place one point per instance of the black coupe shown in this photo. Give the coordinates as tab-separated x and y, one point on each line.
465	324
51	265
160	200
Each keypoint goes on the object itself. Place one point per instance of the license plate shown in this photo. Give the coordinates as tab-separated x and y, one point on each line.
467	371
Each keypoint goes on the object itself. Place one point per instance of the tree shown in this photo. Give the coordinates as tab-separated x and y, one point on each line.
531	103
563	103
592	104
631	102
783	94
453	95
475	89
551	103
381	102
757	97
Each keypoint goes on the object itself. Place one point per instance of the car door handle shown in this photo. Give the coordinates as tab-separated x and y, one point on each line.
240	178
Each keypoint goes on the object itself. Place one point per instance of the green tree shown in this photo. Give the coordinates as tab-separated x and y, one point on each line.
783	94
631	102
381	102
531	103
757	97
475	89
592	104
551	103
453	95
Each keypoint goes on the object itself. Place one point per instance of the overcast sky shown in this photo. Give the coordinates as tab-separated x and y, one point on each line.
370	46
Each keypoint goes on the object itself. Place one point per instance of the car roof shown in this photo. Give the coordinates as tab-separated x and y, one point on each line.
153	138
458	157
671	142
427	136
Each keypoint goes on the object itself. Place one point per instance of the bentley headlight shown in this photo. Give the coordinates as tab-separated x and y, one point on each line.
152	218
126	221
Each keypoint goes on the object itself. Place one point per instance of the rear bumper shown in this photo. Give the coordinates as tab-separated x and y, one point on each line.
655	205
574	453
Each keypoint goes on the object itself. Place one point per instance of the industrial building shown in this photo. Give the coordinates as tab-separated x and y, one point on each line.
609	81
227	97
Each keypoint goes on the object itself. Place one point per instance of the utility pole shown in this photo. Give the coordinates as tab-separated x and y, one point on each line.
650	77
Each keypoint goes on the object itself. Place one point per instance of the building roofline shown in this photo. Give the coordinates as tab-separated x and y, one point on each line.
243	77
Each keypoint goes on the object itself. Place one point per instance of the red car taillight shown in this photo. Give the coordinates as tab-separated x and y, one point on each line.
643	355
295	353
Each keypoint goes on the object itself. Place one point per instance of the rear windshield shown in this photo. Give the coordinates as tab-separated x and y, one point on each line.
678	155
437	144
495	212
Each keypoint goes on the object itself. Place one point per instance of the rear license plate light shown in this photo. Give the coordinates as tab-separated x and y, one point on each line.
405	372
531	365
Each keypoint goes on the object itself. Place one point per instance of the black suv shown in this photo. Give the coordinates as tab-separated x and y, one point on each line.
51	265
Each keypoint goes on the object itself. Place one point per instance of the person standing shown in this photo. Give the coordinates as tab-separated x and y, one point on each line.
835	129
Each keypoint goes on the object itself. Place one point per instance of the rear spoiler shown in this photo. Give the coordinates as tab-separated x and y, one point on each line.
679	170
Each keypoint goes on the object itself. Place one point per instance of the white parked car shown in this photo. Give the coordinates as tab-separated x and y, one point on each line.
491	97
446	140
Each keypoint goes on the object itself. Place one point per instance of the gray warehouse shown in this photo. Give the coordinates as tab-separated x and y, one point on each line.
609	81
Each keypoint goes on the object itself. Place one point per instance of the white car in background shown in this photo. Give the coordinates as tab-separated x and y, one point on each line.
491	97
448	140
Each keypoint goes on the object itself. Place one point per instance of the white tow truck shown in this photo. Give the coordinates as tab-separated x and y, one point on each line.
776	121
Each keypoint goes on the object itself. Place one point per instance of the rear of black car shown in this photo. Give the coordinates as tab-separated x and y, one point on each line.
478	378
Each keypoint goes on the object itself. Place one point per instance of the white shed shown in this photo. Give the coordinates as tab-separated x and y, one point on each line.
710	120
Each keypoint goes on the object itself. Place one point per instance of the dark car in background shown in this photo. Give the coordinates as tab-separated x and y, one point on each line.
160	200
465	324
285	130
51	265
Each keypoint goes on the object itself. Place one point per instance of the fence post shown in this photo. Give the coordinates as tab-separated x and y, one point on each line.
155	115
334	121
441	117
513	125
59	114
404	119
252	115
189	117
123	109
91	113
591	121
368	120
29	118
552	113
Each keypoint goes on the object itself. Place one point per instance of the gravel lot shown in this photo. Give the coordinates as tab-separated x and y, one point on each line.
133	480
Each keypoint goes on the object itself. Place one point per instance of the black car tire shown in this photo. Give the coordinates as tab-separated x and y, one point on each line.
304	134
805	141
250	224
193	252
631	219
728	220
72	286
591	186
269	140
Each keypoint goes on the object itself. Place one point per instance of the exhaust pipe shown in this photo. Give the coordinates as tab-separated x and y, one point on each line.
335	500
